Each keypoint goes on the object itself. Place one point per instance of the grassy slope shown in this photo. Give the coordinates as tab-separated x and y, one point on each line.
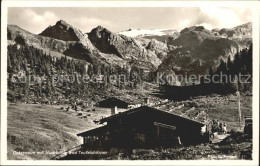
222	108
35	127
225	109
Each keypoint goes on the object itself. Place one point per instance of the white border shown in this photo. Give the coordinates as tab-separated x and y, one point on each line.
254	5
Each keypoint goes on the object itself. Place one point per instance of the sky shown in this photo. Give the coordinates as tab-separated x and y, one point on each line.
36	19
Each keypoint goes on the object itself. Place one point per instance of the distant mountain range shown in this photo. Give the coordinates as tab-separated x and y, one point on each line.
192	50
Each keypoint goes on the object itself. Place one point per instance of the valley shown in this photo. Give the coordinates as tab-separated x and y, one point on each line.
57	78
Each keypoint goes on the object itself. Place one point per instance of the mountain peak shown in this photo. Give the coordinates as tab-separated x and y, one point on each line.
100	27
63	31
62	22
193	28
98	31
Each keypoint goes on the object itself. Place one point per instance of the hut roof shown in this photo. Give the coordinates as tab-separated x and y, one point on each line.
95	131
144	108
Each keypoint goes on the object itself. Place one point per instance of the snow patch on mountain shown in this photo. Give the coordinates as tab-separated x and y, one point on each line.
146	32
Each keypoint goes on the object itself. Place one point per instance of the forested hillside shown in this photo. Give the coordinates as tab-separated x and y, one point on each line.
235	74
35	75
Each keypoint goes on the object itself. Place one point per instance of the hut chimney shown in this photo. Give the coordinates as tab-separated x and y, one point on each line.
146	101
114	110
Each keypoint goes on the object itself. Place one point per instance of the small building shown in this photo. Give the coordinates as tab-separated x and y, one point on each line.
143	127
113	102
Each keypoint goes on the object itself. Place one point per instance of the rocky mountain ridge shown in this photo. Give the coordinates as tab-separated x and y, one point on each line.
100	45
192	50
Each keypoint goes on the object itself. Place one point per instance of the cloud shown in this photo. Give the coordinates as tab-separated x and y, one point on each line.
215	17
37	19
183	24
34	22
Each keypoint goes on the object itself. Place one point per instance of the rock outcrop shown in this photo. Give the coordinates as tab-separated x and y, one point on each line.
124	47
241	34
241	31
